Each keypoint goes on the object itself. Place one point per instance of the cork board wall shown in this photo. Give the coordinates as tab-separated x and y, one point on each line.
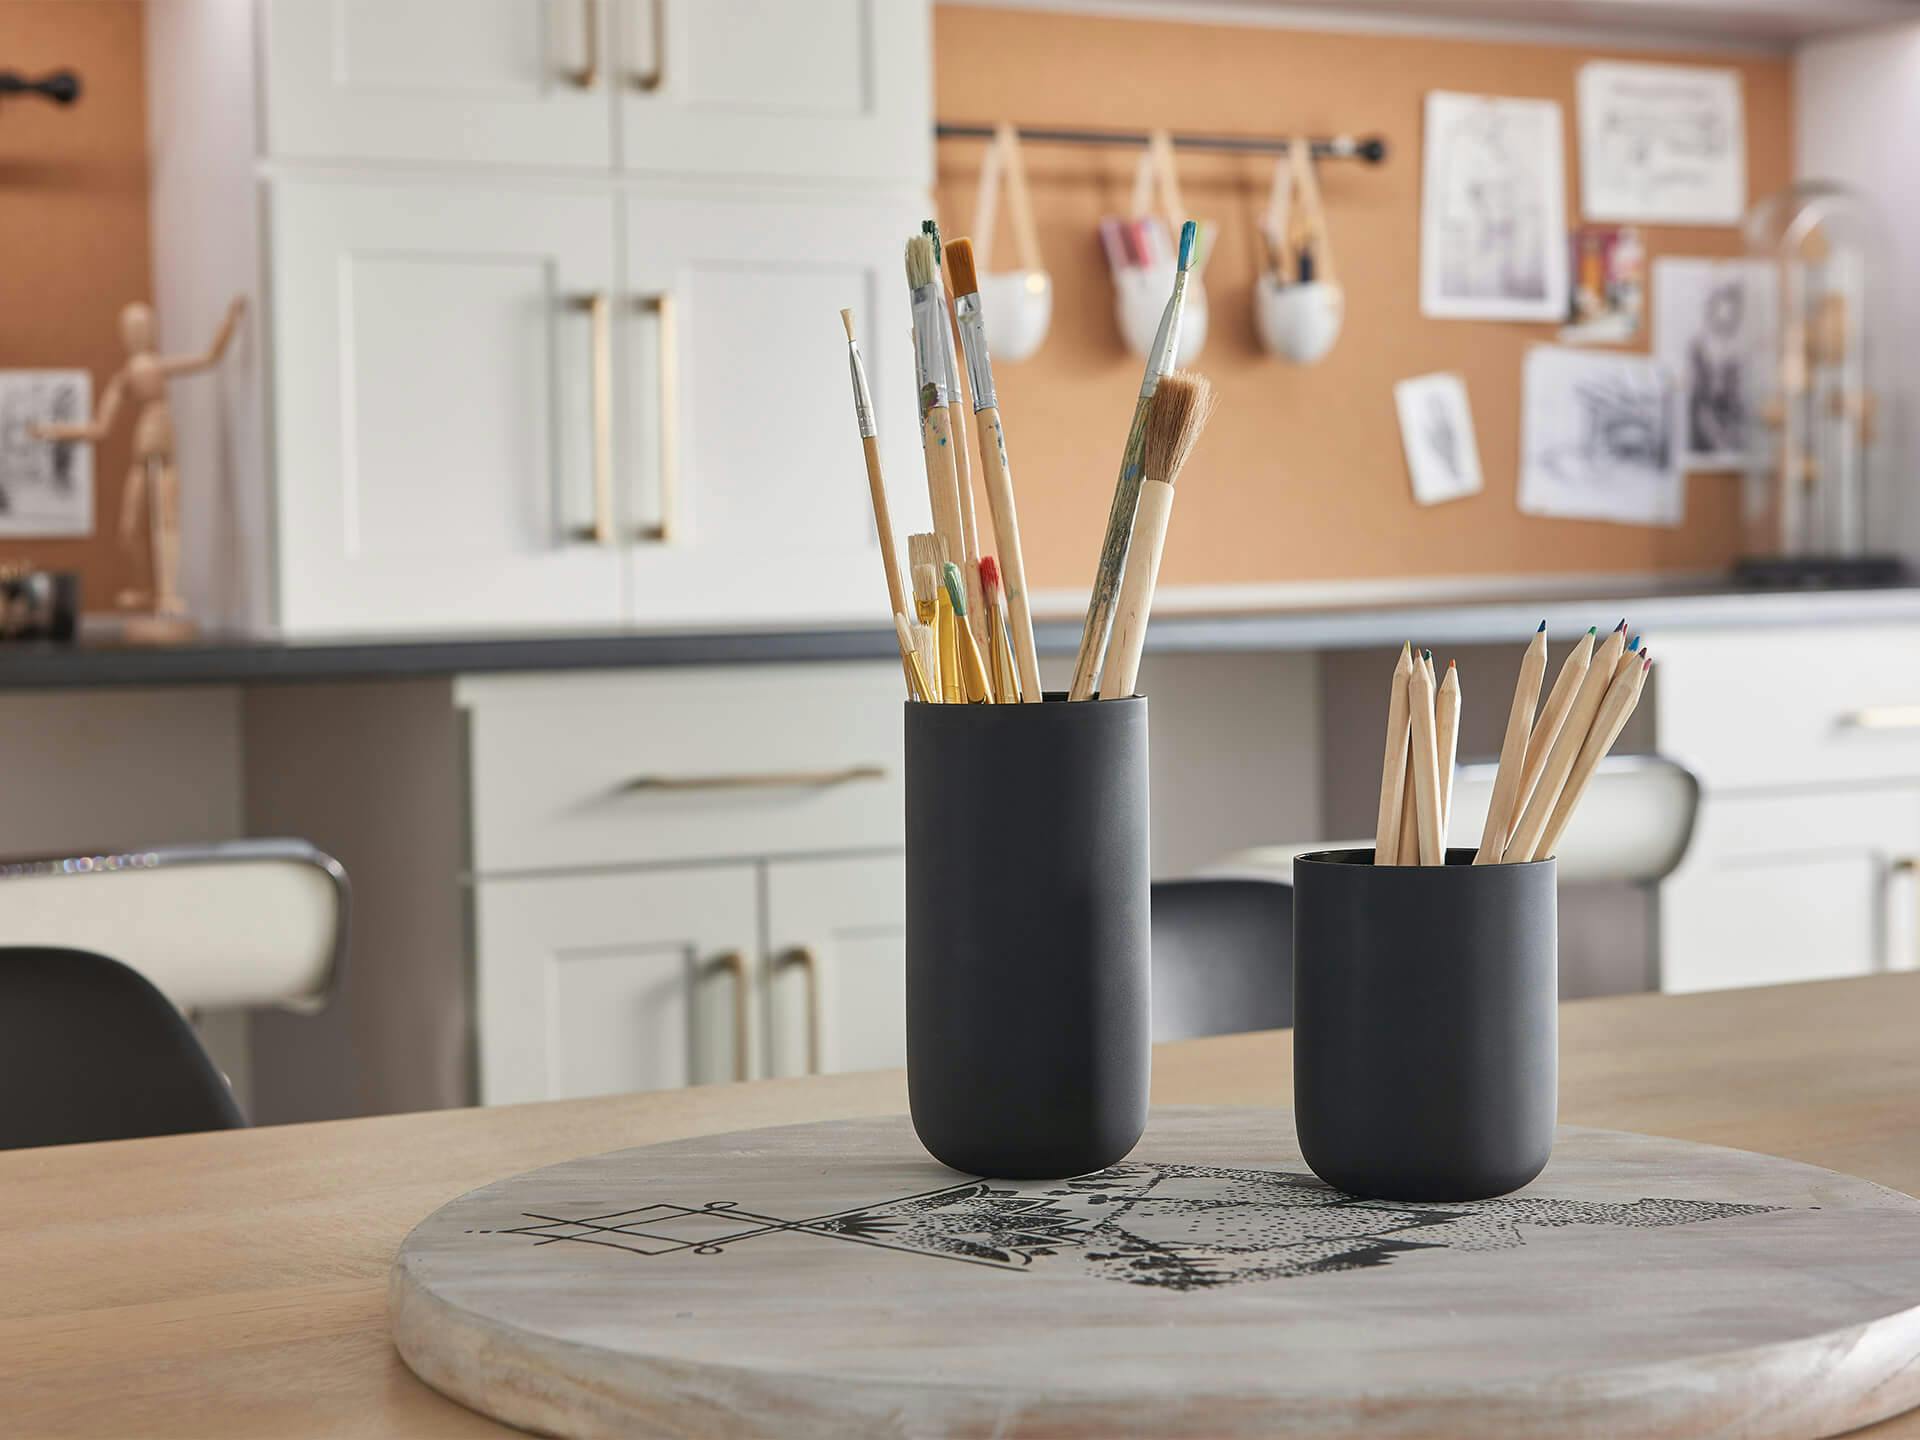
1301	476
74	183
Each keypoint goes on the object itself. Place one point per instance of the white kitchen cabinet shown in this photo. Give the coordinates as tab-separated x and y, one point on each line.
466	82
741	461
836	978
435	405
802	89
601	983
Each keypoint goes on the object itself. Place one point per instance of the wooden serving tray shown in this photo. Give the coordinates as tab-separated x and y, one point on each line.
830	1279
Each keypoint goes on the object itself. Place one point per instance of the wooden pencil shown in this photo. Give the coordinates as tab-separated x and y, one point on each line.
1546	729
1627	660
1513	750
1622	696
1446	716
1393	767
1424	759
910	655
1532	824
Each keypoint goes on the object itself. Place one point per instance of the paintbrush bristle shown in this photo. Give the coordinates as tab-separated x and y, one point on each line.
927	549
931	229
919	261
989	568
846	319
959	262
1175	417
1188	232
925	587
956	589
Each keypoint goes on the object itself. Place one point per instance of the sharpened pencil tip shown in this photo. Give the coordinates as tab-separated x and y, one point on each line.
1593	629
1634	644
1623	623
1543	628
1426	654
1449	664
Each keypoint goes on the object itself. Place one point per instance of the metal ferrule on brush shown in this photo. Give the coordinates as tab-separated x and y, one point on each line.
973	340
930	360
1166	341
862	396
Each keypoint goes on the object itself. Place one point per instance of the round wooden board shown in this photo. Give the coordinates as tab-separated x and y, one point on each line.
832	1280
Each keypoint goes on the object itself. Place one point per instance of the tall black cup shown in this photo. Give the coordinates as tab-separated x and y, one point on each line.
1028	1027
1425	1012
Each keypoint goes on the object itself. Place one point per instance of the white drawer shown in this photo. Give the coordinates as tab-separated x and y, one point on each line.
674	765
1757	708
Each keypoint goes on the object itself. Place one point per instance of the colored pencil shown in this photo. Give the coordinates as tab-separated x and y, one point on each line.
1393	769
1546	729
1423	757
1622	696
1446	715
1513	750
1532	824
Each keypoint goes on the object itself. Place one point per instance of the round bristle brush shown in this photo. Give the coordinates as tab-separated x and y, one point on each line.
1181	404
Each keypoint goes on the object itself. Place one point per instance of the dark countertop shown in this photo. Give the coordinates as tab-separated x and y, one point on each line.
1458	618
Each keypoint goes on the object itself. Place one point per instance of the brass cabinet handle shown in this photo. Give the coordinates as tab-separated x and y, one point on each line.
1883	717
759	780
588	75
803	956
667	530
655	74
599	308
734	962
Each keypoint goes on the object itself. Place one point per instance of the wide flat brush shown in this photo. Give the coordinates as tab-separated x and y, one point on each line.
1126	494
1175	418
876	485
994	466
926	602
931	341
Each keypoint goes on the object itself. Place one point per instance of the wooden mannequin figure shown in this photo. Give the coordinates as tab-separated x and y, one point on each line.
153	485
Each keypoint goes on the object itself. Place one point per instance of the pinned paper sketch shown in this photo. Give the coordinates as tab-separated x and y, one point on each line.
46	487
1493	230
1714	332
1600	438
1436	428
1662	143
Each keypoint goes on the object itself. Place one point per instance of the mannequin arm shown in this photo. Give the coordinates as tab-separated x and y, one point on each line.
193	364
89	430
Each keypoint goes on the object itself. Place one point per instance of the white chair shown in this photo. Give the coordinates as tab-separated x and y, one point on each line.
235	925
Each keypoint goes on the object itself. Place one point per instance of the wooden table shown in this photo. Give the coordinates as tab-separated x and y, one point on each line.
235	1284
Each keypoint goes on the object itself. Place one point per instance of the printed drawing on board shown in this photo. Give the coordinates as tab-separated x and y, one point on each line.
1664	144
1436	430
1714	332
46	487
1600	438
1493	230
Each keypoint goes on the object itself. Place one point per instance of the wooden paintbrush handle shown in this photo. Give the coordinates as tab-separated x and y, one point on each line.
943	479
897	596
1113	558
1136	590
1006	534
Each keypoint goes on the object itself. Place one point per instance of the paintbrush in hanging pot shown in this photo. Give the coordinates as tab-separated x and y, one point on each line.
1175	419
1126	495
876	485
991	434
932	342
969	557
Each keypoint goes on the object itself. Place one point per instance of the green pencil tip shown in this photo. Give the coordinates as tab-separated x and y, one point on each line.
1593	629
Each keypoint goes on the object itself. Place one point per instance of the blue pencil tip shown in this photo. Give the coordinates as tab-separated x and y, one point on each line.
1634	644
1542	629
1187	233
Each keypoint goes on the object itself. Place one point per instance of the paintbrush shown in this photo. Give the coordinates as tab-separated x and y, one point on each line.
1175	417
926	600
1126	494
869	442
998	473
1001	665
932	341
969	557
973	674
925	550
910	657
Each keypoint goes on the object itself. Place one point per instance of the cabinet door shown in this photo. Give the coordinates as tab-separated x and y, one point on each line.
494	82
740	457
837	974
440	384
1791	887
833	89
595	984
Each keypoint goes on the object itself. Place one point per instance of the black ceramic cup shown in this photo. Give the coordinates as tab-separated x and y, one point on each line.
1425	1014
1028	1027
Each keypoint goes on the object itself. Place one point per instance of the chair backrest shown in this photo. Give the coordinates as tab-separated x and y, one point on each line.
1222	957
90	1050
248	922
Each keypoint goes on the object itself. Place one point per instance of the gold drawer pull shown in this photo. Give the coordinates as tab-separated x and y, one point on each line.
667	530
1884	717
599	308
651	78
588	75
735	964
803	956
761	780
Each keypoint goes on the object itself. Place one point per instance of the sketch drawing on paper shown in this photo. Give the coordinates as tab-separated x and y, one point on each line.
1493	230
1436	430
1600	438
46	487
1714	332
1662	143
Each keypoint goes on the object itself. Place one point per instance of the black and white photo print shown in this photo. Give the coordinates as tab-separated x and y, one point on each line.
1599	438
46	487
1662	144
1714	332
1436	430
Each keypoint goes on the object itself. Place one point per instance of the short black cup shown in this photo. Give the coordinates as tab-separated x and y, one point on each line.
1425	1013
1029	1036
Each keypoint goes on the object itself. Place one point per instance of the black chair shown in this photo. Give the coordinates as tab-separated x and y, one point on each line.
1222	957
89	1050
